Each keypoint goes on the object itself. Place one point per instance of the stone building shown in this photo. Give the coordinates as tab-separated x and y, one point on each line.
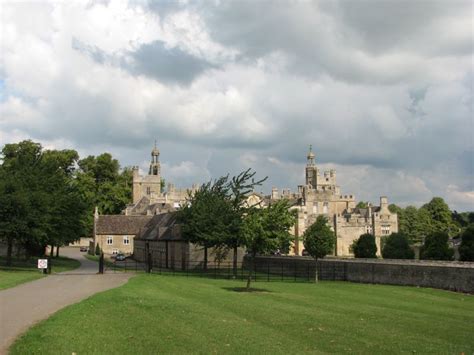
320	195
116	233
150	196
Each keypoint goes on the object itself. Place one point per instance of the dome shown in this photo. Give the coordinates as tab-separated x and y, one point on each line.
310	153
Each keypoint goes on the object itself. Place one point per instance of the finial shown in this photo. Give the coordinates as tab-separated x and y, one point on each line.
310	147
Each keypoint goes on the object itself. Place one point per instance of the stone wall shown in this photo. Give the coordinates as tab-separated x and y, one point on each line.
454	276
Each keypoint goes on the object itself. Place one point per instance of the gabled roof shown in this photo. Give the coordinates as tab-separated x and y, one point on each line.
120	224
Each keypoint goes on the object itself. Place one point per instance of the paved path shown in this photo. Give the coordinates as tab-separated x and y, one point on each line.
24	305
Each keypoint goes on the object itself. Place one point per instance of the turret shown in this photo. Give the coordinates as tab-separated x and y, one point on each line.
311	170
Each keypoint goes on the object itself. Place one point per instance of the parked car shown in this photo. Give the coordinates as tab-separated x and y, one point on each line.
120	257
84	249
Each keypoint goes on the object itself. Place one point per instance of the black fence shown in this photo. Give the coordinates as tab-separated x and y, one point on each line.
226	270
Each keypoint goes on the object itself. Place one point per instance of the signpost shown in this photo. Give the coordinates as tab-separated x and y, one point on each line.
43	264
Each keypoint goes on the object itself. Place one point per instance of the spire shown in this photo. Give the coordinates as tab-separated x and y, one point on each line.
311	155
155	164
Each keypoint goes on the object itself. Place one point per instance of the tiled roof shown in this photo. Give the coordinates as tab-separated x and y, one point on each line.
161	227
120	224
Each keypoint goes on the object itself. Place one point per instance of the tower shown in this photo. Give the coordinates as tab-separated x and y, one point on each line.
311	170
155	168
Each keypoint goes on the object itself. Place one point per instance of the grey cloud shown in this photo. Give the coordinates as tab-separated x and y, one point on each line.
170	65
153	60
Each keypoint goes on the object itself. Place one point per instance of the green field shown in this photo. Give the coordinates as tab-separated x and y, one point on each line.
26	270
163	314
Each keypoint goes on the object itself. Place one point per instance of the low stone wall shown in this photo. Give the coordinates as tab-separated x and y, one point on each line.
454	276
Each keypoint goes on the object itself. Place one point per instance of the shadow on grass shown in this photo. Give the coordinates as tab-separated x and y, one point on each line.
244	289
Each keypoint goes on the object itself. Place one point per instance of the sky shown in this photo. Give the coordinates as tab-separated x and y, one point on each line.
383	90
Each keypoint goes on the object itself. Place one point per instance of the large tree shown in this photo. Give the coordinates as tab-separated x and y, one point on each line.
266	230
441	216
39	201
319	240
208	217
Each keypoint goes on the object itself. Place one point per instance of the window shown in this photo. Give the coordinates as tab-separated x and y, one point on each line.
126	240
115	251
385	229
325	207
148	190
315	209
109	240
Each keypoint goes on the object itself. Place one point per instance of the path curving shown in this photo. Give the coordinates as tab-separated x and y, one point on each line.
24	305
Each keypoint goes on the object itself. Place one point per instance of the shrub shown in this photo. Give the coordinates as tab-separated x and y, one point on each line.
365	246
436	247
97	249
466	249
396	246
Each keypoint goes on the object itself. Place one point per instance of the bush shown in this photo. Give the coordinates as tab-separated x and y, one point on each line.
97	249
436	247
365	246
466	249
396	246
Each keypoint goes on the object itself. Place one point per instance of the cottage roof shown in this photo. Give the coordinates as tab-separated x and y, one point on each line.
161	227
120	224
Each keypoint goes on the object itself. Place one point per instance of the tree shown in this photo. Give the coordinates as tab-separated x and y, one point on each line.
441	216
436	247
266	229
207	218
362	204
214	215
396	246
365	246
319	240
466	249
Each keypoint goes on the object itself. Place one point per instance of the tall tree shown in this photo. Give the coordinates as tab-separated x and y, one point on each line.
266	230
208	217
319	240
441	216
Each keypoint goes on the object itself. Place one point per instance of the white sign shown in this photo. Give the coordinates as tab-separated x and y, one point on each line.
42	263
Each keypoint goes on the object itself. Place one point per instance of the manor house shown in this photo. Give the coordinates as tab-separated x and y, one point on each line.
320	195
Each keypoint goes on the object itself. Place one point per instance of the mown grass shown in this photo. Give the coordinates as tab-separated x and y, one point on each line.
155	314
26	270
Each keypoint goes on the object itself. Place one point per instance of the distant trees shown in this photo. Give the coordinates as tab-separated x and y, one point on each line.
466	249
365	246
319	240
396	246
436	247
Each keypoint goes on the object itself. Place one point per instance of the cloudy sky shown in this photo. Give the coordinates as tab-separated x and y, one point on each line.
383	90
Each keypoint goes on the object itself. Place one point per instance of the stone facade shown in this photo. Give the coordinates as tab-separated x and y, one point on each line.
150	197
320	195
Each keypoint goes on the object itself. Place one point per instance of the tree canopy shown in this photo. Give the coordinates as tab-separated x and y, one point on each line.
436	247
466	249
319	240
365	246
396	246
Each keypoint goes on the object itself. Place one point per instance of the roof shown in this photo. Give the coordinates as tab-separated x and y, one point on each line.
161	227
120	224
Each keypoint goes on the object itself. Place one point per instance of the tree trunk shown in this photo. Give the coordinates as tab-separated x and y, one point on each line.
57	251
205	258
51	253
251	267
234	263
9	251
316	276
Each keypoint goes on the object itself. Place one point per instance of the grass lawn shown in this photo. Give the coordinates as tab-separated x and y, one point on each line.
163	314
26	270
